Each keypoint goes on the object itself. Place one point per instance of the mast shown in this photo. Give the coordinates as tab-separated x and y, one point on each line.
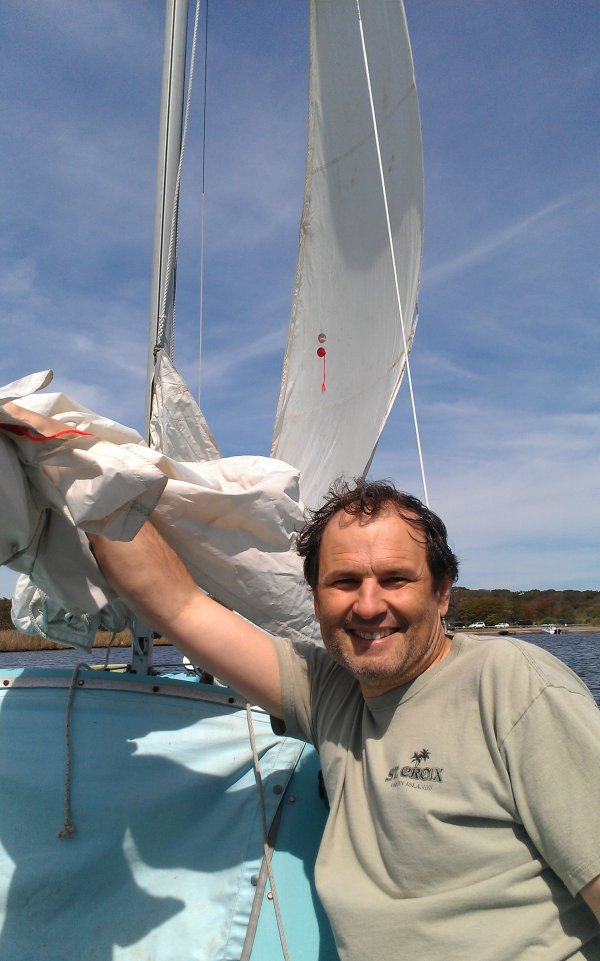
161	327
169	148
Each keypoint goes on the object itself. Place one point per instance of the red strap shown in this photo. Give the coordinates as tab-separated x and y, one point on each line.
26	432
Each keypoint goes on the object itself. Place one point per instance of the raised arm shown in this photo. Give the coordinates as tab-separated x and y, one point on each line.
156	585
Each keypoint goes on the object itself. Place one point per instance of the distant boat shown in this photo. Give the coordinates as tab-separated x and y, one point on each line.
551	629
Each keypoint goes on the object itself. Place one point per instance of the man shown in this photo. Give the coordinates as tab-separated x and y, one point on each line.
462	774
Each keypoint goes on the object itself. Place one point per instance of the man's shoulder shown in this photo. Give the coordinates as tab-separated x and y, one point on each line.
511	664
315	660
504	650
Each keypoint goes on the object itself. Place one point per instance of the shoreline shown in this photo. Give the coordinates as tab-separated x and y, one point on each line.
531	629
12	641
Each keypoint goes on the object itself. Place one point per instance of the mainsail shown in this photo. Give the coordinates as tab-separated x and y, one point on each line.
345	355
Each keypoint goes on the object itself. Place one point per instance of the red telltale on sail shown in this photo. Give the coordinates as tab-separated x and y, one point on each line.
321	352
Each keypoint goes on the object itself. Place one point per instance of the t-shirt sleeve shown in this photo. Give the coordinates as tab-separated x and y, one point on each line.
552	753
295	666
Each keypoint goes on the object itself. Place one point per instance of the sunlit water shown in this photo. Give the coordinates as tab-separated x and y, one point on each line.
580	651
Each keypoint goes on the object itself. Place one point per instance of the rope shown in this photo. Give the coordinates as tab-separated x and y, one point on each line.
108	651
266	848
173	242
68	828
391	241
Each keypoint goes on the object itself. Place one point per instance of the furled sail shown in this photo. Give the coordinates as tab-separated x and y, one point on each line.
231	520
177	425
345	354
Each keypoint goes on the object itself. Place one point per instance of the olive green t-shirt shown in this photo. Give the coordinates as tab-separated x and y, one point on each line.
464	806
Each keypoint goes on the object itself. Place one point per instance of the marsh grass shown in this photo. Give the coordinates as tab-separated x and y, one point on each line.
13	640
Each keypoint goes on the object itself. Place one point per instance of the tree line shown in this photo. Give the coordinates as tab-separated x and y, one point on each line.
525	607
493	607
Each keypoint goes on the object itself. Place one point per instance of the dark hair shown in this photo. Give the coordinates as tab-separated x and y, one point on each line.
370	498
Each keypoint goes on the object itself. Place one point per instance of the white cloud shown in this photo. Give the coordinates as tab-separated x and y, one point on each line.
227	362
500	238
518	492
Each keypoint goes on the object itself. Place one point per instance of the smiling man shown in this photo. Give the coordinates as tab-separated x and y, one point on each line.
462	774
453	833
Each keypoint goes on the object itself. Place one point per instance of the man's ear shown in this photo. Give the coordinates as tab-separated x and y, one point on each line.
444	596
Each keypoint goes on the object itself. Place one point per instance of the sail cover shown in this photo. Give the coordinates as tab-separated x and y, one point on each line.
345	355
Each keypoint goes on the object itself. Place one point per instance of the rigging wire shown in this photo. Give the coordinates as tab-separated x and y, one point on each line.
265	830
391	242
202	200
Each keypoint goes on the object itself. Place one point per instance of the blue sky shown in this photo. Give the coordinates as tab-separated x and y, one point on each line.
506	358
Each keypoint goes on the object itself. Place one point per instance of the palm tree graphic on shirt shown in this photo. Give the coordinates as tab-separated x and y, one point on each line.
422	755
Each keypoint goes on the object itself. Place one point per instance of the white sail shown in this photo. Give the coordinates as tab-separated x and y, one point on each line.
177	425
334	404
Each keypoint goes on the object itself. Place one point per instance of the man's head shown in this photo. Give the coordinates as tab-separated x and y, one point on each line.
369	499
381	571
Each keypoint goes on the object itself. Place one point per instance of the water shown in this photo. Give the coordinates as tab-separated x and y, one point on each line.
581	652
166	658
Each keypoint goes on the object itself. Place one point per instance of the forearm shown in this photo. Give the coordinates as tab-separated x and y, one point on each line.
148	575
156	585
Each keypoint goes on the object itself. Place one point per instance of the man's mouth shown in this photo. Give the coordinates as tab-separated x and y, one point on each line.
372	635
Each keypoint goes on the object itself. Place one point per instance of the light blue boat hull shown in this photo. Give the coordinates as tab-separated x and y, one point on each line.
165	862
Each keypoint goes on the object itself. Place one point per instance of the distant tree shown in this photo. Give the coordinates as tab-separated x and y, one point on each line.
539	607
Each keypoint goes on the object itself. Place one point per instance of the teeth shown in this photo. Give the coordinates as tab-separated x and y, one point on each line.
376	636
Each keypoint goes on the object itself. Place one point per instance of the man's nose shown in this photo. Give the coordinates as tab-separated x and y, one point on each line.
369	601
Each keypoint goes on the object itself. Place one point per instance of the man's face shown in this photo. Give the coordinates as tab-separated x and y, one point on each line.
379	613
